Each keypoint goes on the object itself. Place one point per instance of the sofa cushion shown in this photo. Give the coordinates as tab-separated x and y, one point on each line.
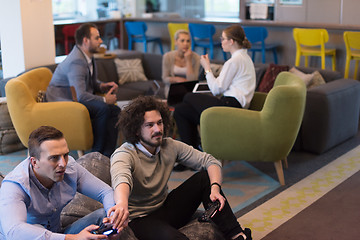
129	70
106	70
152	64
267	82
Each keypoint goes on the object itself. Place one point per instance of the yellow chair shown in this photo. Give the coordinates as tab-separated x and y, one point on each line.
352	44
308	42
27	114
173	27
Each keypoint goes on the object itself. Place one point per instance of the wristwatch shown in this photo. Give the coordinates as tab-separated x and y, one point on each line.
207	71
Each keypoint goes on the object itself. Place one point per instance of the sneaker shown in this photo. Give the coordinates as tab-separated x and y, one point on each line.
247	232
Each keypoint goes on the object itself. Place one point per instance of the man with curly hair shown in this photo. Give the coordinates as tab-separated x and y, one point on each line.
141	168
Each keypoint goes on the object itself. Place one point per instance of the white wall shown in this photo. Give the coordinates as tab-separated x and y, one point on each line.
27	35
320	11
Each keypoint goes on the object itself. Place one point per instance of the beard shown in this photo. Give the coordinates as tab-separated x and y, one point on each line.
152	144
94	49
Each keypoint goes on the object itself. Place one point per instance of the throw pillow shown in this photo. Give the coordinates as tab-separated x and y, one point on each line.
41	96
129	70
317	80
305	77
216	69
270	75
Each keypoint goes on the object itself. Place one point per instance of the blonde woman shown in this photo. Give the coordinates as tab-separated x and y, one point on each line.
181	64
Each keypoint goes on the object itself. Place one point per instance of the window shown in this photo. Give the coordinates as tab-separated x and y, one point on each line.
224	8
70	9
64	9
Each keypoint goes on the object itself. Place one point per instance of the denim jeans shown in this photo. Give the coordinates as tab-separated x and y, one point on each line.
95	218
103	119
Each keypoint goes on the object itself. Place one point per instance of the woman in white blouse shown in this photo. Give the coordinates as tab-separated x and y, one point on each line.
234	87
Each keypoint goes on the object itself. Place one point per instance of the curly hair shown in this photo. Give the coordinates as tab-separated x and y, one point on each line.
132	116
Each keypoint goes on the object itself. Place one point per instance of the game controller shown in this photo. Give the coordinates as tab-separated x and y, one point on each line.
210	212
103	230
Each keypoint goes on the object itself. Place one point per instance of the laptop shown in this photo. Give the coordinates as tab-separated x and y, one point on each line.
177	91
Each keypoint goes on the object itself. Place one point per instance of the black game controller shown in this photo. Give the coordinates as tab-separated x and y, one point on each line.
103	230
210	212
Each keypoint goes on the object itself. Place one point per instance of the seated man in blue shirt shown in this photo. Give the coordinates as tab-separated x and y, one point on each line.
33	195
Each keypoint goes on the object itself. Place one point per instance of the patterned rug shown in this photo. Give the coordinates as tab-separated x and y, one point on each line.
242	183
9	161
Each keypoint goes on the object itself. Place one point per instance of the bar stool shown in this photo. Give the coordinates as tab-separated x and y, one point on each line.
202	36
352	44
257	36
136	33
69	36
308	42
173	27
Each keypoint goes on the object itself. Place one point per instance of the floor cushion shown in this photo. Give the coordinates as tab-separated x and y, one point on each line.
9	141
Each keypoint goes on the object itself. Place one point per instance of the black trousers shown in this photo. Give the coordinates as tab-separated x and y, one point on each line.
103	119
187	114
178	209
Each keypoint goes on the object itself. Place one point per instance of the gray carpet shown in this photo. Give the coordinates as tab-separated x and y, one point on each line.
333	216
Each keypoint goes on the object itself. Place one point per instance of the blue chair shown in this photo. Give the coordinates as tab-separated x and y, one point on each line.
202	36
136	33
257	36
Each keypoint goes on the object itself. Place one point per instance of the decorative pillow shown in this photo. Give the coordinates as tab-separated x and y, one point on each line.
129	70
41	96
311	79
270	75
216	69
317	80
305	77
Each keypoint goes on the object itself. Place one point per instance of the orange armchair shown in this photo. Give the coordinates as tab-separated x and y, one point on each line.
27	114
